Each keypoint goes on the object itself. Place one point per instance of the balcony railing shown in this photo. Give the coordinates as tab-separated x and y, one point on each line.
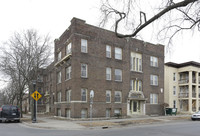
183	95
183	81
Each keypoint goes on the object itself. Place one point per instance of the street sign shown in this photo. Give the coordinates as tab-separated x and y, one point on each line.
36	95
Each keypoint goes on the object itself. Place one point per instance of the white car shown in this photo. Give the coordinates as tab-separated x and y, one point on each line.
196	116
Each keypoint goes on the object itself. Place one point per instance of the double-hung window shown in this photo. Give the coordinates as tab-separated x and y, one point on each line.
68	49
83	95
84	68
59	77
68	95
108	51
153	98
154	80
118	96
108	73
59	96
118	75
118	53
59	56
68	73
136	62
153	61
84	46
108	96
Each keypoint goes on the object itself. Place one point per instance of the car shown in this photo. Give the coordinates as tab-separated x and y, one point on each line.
196	116
9	113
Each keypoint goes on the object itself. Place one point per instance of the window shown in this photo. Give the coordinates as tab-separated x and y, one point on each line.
108	96
153	61
68	113
69	49
108	113
174	104
59	112
68	71
174	76
136	85
118	75
118	96
84	70
108	73
59	56
84	113
174	90
154	80
83	45
59	77
118	53
68	95
59	96
108	51
84	95
117	111
136	62
153	98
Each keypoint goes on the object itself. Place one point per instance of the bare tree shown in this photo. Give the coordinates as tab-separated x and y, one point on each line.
22	55
131	14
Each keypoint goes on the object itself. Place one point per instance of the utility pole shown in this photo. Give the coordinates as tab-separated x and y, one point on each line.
34	104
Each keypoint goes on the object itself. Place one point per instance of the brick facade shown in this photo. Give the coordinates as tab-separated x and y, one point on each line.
97	62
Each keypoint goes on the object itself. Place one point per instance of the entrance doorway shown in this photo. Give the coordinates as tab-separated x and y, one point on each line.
134	107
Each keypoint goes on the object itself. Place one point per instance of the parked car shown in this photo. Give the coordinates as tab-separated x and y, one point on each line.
196	116
9	113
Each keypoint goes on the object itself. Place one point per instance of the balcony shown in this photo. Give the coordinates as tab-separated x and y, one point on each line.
60	62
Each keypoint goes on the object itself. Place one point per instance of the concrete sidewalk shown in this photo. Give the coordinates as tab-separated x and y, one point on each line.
50	122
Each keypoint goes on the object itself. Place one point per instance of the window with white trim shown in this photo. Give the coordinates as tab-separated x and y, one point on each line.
108	96
136	62
108	113
118	75
84	46
83	94
136	85
108	73
84	113
118	96
59	96
118	53
68	113
154	80
84	70
68	71
108	51
59	77
153	98
68	49
59	56
68	95
153	61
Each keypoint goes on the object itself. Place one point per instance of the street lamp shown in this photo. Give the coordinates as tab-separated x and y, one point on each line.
91	102
34	103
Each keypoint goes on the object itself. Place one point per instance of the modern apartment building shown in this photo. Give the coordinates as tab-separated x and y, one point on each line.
182	86
126	75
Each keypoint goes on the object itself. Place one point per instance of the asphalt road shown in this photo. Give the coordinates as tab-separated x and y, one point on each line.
184	128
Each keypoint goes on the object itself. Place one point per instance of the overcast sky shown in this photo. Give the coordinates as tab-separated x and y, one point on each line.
53	17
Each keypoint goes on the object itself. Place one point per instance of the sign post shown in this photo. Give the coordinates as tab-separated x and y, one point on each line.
36	96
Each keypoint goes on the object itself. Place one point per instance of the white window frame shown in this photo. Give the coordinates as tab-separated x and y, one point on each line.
108	111
118	53
118	75
153	61
84	113
108	73
59	56
108	96
153	98
59	77
68	71
154	80
84	44
68	113
59	114
68	96
136	62
68	49
108	51
83	95
84	71
118	96
136	85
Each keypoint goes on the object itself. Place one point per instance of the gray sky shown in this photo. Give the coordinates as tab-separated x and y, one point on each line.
53	17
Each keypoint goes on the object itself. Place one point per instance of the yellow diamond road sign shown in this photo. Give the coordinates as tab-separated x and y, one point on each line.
36	95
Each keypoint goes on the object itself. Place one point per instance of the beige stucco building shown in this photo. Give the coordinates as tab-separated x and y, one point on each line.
182	83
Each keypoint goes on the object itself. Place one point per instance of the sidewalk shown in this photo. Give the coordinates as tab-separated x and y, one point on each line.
49	122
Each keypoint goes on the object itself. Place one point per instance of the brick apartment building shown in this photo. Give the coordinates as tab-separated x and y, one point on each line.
126	75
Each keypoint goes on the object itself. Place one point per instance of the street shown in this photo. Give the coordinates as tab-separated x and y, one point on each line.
183	128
